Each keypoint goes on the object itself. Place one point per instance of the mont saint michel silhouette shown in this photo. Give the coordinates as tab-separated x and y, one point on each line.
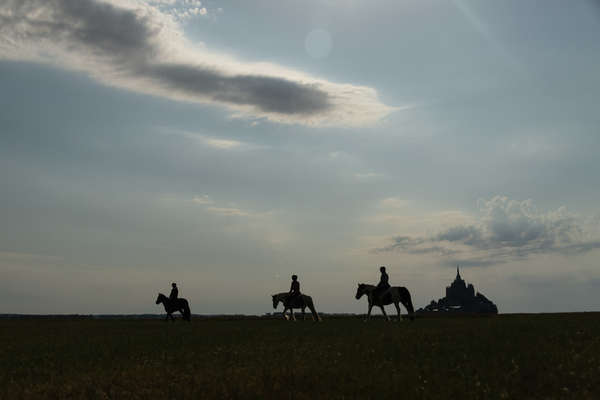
461	297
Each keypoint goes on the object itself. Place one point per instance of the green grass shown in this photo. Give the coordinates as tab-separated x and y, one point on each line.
548	356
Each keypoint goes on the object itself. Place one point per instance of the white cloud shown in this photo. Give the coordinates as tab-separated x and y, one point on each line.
139	46
181	10
163	2
228	211
202	200
213	142
394	203
505	229
222	143
259	225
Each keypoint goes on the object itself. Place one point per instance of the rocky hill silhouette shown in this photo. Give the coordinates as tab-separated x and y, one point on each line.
461	297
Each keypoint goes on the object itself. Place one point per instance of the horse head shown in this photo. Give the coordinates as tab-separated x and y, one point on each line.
275	300
161	297
361	290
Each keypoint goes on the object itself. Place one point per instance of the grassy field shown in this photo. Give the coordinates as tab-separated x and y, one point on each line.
549	356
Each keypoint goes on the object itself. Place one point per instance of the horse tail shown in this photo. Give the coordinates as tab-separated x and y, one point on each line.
408	304
311	306
187	314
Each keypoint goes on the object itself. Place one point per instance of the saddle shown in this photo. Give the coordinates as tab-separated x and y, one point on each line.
296	301
387	297
384	297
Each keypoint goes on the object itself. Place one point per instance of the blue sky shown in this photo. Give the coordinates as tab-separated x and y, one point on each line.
226	145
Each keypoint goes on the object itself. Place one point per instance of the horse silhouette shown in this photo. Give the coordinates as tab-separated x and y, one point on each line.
395	295
301	302
172	306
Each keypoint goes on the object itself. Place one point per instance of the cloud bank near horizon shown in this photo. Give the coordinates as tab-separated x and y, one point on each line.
505	230
137	46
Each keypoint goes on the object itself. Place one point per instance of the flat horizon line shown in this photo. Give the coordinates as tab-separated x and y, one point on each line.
264	315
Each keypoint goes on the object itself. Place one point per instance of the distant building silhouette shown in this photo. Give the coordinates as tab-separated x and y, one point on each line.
461	297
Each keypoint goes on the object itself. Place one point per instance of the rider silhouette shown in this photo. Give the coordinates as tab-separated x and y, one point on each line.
383	284
174	292
294	290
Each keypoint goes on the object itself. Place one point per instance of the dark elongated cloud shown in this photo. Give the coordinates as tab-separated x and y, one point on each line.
268	94
100	28
135	45
506	229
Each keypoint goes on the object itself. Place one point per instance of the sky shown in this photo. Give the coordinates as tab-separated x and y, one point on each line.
227	145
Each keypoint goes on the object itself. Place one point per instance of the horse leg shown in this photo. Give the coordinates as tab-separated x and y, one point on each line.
315	314
384	313
292	313
185	314
303	314
369	312
409	308
398	310
283	313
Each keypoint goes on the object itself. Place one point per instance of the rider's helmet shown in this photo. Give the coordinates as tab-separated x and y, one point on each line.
173	284
382	269
294	277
